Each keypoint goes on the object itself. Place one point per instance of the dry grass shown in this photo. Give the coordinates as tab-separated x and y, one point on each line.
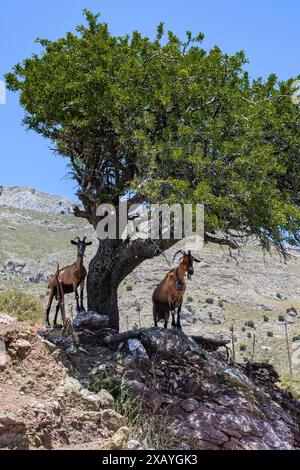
21	306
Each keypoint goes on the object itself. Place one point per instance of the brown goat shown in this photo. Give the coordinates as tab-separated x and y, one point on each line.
168	295
68	280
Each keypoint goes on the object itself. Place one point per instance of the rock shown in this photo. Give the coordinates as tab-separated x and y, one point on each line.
137	349
20	348
190	404
119	440
2	355
12	431
134	445
90	321
106	399
167	342
111	419
253	443
6	319
72	389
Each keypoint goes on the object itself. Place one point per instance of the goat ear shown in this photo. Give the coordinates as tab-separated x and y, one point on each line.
73	242
88	243
197	260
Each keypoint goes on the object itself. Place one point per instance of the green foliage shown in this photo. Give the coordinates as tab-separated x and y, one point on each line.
22	306
189	298
266	318
243	347
249	335
209	300
270	334
250	323
281	318
167	121
296	338
129	288
103	381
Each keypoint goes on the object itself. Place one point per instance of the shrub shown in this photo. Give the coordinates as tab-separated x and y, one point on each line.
209	300
296	338
221	304
243	328
22	306
250	323
243	347
189	298
249	335
279	296
266	319
270	334
281	318
129	288
291	309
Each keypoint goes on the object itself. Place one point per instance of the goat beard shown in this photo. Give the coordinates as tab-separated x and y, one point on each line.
189	276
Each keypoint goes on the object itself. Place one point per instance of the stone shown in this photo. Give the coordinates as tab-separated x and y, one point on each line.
12	431
21	347
111	419
3	359
190	404
137	349
133	444
6	319
90	321
119	440
254	443
106	399
167	342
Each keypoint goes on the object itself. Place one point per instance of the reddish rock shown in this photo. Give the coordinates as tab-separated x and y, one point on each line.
254	443
190	404
233	444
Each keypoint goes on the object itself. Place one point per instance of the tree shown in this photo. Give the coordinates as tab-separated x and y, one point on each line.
165	121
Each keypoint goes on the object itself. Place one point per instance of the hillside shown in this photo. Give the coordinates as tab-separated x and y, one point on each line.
252	291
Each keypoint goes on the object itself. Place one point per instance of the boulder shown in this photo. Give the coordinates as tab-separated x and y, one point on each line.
119	440
111	419
90	321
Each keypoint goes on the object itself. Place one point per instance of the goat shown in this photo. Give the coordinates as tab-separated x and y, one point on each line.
168	294
68	280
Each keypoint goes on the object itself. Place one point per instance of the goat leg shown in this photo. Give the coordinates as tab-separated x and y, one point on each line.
173	317
81	296
178	325
56	314
51	295
76	297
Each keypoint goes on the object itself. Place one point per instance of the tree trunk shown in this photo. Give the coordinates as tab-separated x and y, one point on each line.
113	261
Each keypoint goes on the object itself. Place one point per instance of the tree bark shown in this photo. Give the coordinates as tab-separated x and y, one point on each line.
114	260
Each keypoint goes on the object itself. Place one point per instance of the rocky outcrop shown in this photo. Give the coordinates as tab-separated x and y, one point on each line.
207	401
31	199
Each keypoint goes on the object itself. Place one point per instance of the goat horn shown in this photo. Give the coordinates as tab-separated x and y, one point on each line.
177	252
84	238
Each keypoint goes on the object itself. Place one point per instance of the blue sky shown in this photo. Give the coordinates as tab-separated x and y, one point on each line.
268	30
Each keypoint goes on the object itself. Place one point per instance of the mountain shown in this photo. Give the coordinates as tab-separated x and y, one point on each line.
31	199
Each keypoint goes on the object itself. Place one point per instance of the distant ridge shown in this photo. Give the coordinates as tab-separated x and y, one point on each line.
26	198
